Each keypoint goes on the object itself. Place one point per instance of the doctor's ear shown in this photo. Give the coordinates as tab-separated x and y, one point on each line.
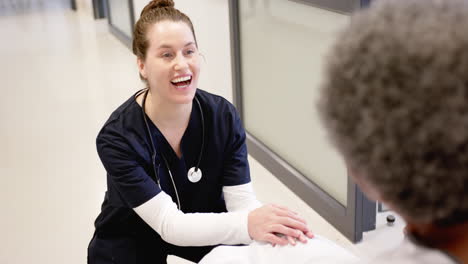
203	56
141	69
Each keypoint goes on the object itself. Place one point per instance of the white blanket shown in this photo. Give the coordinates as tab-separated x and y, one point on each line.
318	250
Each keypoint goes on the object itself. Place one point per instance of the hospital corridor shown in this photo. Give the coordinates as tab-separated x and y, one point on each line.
63	73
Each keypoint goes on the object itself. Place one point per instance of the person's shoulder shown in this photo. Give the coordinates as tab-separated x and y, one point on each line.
216	104
124	119
409	252
212	99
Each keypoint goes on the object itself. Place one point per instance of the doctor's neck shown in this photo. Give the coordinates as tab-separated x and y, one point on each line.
167	115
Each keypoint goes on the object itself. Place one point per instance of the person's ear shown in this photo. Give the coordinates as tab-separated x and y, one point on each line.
142	68
202	56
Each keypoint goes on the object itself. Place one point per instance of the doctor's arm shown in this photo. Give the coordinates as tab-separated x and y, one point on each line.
201	229
156	208
265	222
262	219
193	229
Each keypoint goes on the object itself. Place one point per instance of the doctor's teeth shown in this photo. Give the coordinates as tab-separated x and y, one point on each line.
182	79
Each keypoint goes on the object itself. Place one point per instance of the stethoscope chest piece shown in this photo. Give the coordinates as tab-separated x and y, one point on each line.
194	175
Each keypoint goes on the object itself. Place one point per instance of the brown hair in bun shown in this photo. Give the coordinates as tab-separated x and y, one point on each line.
157	4
155	11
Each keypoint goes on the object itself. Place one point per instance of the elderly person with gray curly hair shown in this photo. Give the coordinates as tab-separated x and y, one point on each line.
395	102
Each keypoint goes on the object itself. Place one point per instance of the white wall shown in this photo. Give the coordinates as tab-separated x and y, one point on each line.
210	19
85	5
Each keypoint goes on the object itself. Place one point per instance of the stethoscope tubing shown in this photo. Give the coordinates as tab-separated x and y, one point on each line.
153	155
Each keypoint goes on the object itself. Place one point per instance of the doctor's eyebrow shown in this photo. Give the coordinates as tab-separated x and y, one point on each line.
167	46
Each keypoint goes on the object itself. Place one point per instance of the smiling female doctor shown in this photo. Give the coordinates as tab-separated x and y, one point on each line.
176	160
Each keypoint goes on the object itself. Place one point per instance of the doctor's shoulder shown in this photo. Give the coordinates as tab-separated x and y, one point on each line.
218	107
123	133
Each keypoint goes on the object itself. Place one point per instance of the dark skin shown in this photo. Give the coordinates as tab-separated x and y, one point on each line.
450	239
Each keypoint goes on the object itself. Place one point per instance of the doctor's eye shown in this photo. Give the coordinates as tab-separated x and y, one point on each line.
167	55
189	52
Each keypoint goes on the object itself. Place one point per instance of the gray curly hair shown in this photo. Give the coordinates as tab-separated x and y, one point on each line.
395	101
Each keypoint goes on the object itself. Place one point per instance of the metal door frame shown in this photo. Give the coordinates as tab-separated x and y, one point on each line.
127	40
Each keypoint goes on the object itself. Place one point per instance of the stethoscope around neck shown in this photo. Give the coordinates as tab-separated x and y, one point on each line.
194	174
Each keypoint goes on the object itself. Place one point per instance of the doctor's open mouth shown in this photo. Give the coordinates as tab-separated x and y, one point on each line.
182	82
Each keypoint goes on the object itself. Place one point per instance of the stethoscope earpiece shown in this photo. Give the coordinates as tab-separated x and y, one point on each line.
194	175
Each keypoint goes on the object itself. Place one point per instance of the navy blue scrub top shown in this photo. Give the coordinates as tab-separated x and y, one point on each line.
125	151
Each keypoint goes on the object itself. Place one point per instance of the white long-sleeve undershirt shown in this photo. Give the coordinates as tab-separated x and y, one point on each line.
240	198
202	229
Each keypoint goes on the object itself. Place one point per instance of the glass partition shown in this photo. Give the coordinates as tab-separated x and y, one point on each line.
278	51
121	19
120	16
283	47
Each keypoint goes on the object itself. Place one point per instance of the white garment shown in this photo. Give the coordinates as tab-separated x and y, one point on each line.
318	250
240	198
408	252
202	229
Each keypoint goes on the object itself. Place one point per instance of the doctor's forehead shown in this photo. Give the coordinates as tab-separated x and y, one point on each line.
170	34
169	46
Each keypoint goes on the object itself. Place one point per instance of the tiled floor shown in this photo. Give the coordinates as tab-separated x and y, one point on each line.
62	74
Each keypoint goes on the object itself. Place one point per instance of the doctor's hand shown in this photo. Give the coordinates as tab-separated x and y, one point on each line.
277	225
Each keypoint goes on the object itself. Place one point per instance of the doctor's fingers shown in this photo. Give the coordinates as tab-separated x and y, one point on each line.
309	234
275	239
292	223
288	213
285	231
284	208
293	240
303	238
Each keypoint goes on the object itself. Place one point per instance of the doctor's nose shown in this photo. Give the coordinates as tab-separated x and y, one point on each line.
180	63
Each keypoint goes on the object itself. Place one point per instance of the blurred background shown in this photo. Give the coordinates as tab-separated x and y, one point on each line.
66	65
